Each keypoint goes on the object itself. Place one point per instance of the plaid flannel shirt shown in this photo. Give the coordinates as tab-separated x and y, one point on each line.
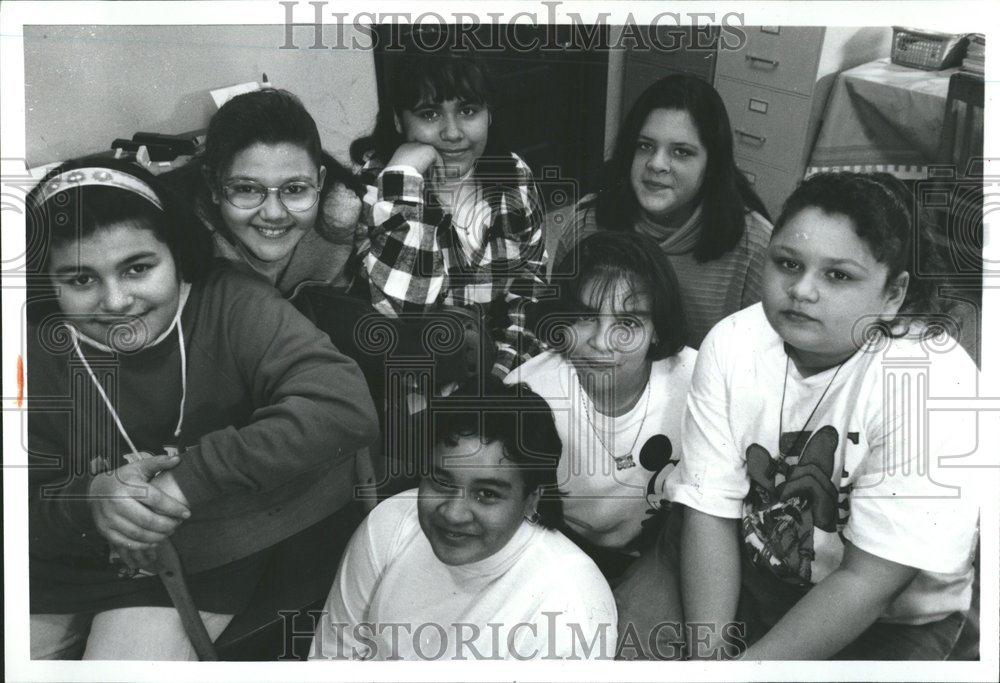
414	262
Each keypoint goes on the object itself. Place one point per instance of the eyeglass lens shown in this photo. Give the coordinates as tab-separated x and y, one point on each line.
295	196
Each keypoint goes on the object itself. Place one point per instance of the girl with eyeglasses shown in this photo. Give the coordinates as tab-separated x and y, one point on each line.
271	197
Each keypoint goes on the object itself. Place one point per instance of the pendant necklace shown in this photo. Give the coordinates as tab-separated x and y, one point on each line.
781	413
622	462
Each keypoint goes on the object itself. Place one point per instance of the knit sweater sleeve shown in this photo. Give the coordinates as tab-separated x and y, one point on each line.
573	224
60	522
311	406
758	234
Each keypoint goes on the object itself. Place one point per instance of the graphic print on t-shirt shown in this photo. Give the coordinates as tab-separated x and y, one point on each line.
789	498
655	457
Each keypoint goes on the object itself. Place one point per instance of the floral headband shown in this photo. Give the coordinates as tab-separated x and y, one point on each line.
79	177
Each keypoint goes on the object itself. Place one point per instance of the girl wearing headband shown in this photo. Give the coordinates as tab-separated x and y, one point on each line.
167	400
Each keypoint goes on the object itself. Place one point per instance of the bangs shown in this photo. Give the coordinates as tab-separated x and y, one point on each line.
439	80
615	287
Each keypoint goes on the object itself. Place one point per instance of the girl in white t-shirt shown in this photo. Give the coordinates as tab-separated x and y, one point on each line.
822	517
616	379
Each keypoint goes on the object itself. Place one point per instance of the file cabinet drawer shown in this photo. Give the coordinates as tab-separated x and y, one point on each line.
782	57
767	125
772	186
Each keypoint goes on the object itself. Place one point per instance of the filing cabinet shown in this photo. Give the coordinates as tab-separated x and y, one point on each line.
663	50
775	87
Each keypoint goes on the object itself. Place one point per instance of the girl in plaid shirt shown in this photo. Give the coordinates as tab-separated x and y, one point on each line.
448	217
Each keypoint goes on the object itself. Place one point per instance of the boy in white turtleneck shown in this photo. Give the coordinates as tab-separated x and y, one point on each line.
468	566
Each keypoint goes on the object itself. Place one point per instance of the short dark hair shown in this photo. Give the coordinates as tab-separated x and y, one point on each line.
521	421
427	77
725	194
879	208
270	116
608	257
80	211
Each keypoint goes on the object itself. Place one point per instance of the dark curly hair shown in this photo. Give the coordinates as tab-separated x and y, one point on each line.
605	258
725	194
521	421
880	207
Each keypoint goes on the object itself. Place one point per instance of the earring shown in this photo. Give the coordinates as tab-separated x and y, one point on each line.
533	517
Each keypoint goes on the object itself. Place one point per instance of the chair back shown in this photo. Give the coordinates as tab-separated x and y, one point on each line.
962	132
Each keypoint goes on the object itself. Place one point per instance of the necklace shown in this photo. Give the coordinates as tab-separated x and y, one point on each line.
622	462
781	413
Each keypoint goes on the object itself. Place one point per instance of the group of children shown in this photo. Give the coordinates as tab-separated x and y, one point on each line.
777	479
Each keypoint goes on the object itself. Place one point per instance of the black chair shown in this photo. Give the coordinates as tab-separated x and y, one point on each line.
961	221
447	345
962	132
428	350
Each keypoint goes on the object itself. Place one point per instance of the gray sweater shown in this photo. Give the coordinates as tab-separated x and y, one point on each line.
272	418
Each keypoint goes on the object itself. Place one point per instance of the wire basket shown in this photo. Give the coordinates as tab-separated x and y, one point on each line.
928	50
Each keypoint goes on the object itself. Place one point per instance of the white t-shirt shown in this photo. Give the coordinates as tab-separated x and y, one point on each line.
539	597
870	467
607	498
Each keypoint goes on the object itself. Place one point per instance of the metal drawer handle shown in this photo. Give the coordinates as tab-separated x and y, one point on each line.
759	139
762	60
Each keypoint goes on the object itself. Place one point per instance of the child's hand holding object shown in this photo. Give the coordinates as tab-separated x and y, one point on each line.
133	514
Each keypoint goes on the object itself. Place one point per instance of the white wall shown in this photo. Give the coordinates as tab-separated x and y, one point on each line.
87	85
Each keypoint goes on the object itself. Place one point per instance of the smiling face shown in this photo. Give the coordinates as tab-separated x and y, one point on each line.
669	165
456	129
613	332
270	231
119	286
473	501
820	279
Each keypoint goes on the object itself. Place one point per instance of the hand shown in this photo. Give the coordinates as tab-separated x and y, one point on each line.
167	483
129	511
339	213
447	389
416	154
